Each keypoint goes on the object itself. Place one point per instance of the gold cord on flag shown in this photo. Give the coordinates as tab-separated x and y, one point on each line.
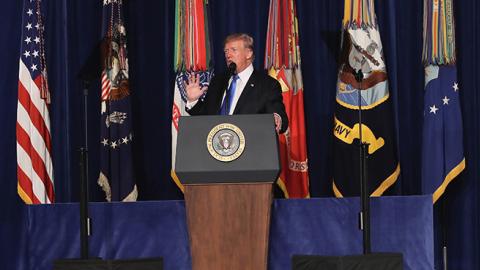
44	91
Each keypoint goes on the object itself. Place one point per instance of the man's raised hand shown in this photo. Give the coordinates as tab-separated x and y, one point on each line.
193	88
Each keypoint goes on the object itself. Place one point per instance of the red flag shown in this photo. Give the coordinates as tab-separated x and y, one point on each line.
282	60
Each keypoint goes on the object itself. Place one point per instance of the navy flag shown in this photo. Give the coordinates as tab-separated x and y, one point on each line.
362	53
442	149
117	177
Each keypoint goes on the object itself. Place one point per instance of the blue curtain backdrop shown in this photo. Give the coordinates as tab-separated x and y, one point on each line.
73	31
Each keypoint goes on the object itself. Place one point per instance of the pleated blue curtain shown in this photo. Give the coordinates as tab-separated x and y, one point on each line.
73	32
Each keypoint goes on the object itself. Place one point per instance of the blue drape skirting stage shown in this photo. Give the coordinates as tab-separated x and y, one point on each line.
324	226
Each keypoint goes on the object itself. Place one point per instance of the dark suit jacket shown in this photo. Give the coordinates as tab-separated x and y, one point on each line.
262	94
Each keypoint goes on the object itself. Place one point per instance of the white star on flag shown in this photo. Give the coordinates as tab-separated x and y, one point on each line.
35	53
105	142
455	87
445	100
35	183
433	109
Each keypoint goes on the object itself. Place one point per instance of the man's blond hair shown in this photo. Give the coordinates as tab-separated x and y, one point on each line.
247	40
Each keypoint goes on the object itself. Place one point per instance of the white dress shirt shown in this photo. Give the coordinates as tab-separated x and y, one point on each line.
241	82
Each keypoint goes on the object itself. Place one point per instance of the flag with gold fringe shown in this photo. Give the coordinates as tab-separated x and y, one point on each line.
34	140
362	54
442	146
192	55
282	60
117	177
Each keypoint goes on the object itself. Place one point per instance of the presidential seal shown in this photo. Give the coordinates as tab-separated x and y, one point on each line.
225	142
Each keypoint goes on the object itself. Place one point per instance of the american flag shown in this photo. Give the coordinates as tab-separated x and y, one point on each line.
34	146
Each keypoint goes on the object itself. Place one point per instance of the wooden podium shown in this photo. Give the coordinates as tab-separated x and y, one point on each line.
228	202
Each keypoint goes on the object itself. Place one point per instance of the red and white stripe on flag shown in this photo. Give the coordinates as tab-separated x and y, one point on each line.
34	161
106	86
34	144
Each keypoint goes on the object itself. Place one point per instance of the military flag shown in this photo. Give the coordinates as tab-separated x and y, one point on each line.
283	62
442	146
116	177
34	143
362	86
192	55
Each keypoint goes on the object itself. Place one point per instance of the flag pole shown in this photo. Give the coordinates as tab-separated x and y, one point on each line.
364	214
84	219
444	232
89	72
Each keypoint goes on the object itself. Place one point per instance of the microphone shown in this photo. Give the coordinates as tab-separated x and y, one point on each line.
232	68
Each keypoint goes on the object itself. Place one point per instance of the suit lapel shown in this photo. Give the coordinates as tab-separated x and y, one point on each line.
247	93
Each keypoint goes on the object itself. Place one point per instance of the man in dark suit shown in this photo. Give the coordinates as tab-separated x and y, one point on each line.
240	91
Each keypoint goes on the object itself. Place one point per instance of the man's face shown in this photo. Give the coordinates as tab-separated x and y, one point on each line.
236	52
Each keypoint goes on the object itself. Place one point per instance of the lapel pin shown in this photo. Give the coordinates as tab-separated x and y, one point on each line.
252	85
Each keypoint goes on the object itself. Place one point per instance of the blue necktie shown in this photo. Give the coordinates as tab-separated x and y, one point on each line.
227	101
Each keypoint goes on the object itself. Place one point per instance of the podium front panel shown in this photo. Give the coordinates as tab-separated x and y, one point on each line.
259	161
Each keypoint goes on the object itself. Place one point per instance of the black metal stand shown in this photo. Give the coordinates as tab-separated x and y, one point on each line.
84	219
443	223
363	155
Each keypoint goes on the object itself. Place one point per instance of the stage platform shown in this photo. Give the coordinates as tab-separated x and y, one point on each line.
320	226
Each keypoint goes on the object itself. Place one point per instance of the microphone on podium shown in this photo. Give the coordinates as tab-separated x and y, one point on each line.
232	69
